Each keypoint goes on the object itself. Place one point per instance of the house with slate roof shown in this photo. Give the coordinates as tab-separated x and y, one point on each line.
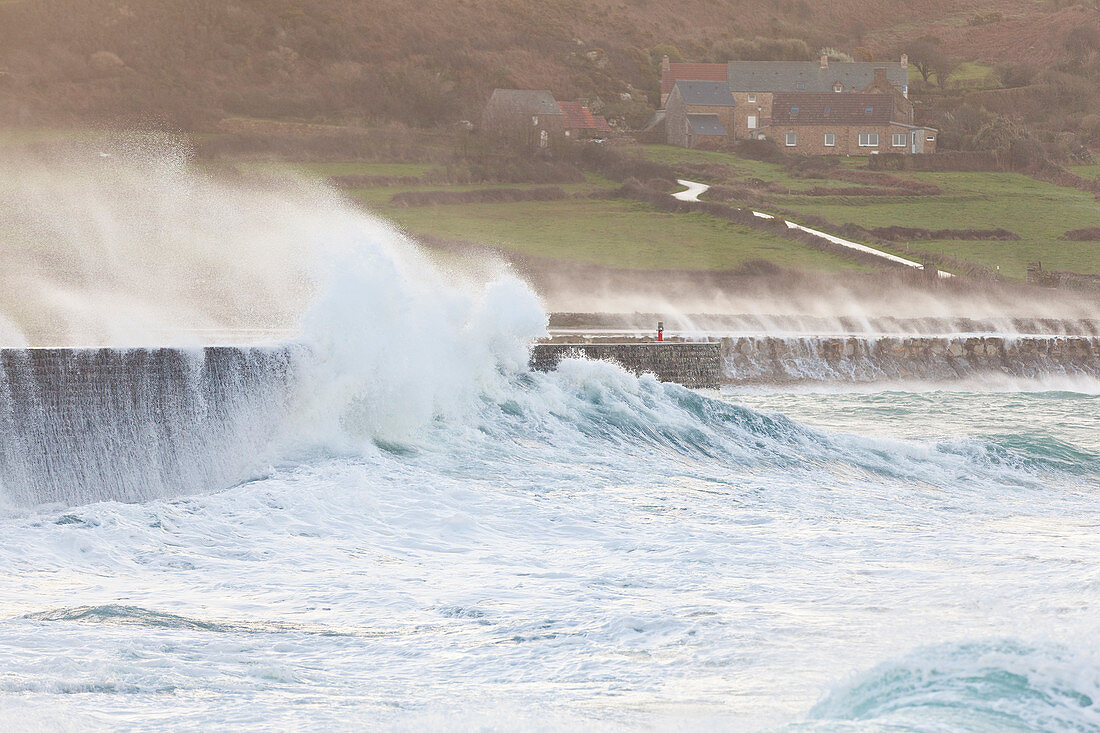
827	123
672	72
699	114
755	85
527	116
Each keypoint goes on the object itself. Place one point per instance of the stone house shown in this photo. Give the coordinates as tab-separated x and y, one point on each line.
827	123
754	85
673	72
699	114
527	117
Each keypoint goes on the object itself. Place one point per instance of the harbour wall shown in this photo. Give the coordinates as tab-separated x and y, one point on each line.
795	359
692	364
799	359
82	425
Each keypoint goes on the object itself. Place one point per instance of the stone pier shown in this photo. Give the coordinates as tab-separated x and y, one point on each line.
692	364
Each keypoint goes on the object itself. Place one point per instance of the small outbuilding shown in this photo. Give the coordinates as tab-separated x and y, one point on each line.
528	116
699	114
581	124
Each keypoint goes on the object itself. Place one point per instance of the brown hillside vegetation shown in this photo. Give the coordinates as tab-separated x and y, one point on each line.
192	62
1028	32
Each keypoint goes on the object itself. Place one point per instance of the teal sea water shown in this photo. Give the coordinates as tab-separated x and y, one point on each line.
589	549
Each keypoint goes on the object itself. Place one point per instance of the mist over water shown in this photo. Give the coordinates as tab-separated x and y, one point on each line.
423	533
125	243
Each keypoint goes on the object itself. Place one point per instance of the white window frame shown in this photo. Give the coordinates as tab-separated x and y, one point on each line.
865	139
895	137
790	138
752	99
830	135
750	122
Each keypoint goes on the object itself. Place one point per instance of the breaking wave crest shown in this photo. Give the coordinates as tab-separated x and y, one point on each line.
990	686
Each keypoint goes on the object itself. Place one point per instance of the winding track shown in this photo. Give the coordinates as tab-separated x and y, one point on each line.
695	190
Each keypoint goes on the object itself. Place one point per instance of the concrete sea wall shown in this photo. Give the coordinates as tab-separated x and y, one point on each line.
775	359
80	425
692	364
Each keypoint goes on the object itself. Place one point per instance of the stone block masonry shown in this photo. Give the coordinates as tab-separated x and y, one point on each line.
83	425
793	359
692	364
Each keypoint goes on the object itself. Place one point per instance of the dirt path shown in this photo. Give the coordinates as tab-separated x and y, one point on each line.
695	190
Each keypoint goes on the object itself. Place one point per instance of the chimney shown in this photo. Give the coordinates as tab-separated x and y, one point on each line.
824	61
665	63
881	82
905	61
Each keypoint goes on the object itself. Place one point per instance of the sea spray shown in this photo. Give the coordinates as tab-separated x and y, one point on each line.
144	249
396	343
123	243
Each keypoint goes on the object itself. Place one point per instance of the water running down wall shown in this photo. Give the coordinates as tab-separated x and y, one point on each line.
844	359
80	425
83	425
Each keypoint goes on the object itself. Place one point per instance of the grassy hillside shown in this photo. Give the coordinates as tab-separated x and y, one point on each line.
1039	213
193	62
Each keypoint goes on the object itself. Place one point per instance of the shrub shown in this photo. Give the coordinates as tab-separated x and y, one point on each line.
1089	234
482	196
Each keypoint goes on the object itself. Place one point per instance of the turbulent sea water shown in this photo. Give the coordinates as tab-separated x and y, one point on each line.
587	548
436	537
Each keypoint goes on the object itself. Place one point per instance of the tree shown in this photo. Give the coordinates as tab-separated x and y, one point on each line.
927	56
943	66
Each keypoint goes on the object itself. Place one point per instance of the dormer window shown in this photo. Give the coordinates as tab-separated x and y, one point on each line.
800	85
869	110
838	87
794	110
828	110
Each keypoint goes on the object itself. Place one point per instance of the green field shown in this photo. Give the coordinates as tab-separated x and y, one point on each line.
1039	212
349	168
726	167
612	233
1088	171
967	75
629	234
974	75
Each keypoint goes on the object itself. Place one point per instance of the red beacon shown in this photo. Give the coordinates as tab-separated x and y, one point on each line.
660	330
